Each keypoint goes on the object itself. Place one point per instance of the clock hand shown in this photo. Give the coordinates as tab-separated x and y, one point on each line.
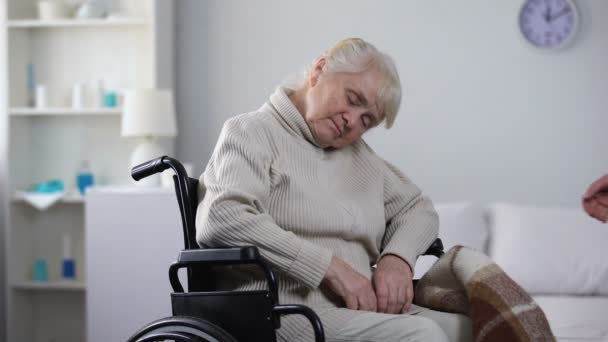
547	14
564	11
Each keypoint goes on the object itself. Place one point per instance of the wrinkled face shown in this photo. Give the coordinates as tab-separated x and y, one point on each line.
341	107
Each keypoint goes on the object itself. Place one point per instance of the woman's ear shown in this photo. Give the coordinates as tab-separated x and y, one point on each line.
316	71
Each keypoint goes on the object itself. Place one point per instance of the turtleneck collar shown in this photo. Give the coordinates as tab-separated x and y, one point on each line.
291	116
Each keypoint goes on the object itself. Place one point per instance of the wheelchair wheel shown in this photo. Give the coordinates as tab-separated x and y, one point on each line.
182	329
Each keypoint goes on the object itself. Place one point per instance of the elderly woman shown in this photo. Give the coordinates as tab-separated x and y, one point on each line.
295	179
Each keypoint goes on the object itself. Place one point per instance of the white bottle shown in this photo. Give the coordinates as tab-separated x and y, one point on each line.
41	96
77	96
97	94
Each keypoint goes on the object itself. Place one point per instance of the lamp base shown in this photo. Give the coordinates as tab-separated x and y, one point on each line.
147	150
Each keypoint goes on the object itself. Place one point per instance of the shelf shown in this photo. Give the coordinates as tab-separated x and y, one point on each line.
125	51
36	23
50	286
29	111
67	198
131	189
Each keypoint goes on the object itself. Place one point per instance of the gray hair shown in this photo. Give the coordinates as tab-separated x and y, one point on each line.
354	55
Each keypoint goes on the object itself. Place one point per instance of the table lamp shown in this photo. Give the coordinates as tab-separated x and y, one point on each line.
148	114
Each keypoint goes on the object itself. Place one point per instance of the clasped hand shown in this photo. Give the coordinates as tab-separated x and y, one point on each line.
595	199
389	291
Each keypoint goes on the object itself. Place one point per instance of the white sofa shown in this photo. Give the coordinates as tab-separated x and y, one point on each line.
559	255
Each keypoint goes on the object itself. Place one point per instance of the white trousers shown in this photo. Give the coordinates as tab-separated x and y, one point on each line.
425	325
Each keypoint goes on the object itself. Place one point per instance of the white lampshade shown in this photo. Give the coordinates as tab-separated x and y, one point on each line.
149	113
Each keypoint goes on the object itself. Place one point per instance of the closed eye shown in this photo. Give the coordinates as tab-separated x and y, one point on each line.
352	100
366	120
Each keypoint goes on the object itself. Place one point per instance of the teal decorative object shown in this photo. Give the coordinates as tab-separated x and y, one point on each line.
51	186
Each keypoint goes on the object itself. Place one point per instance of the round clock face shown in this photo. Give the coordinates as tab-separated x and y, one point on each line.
548	23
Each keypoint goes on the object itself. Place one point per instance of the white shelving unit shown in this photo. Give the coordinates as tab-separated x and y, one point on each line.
26	111
42	144
76	23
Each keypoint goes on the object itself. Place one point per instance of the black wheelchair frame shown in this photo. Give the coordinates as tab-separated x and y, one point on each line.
204	313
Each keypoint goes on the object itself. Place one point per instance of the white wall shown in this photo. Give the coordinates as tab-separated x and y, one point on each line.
484	117
3	171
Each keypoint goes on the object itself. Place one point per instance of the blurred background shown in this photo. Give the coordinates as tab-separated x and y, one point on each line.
486	116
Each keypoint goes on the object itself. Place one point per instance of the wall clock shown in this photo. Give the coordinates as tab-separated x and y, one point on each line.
549	24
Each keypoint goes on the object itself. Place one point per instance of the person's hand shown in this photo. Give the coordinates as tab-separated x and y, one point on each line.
354	288
595	199
393	283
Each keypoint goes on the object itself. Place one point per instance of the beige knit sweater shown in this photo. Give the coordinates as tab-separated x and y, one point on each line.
270	185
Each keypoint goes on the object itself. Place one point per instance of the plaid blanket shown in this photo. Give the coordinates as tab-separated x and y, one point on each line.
468	282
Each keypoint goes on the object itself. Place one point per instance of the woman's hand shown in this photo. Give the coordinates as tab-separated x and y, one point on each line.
595	200
355	289
393	284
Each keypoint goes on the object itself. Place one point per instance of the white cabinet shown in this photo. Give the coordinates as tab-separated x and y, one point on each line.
132	238
42	144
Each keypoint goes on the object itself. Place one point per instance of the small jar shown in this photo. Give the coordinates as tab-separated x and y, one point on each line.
84	177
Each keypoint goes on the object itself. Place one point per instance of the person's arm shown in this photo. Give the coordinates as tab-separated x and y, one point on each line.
234	210
412	223
595	199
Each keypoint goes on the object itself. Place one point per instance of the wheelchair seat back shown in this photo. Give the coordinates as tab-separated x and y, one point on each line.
244	313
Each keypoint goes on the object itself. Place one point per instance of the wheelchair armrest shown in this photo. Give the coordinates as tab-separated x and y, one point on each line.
223	256
435	249
229	256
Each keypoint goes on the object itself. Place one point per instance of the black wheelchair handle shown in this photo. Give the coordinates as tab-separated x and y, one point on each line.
158	165
149	168
315	321
182	190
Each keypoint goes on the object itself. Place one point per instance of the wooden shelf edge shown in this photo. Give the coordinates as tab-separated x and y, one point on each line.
50	286
67	198
38	23
27	111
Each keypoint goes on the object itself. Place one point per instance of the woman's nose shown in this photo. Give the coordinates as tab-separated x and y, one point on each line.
350	118
346	121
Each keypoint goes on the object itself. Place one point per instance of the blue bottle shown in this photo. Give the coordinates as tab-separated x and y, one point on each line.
84	178
68	266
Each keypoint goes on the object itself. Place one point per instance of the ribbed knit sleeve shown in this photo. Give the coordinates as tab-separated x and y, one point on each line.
412	223
234	210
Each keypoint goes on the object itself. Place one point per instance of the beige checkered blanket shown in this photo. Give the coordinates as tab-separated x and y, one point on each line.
468	282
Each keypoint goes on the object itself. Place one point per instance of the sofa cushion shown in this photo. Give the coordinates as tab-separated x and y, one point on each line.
460	223
576	318
550	250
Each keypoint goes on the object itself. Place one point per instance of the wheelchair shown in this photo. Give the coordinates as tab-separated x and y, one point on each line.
204	312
